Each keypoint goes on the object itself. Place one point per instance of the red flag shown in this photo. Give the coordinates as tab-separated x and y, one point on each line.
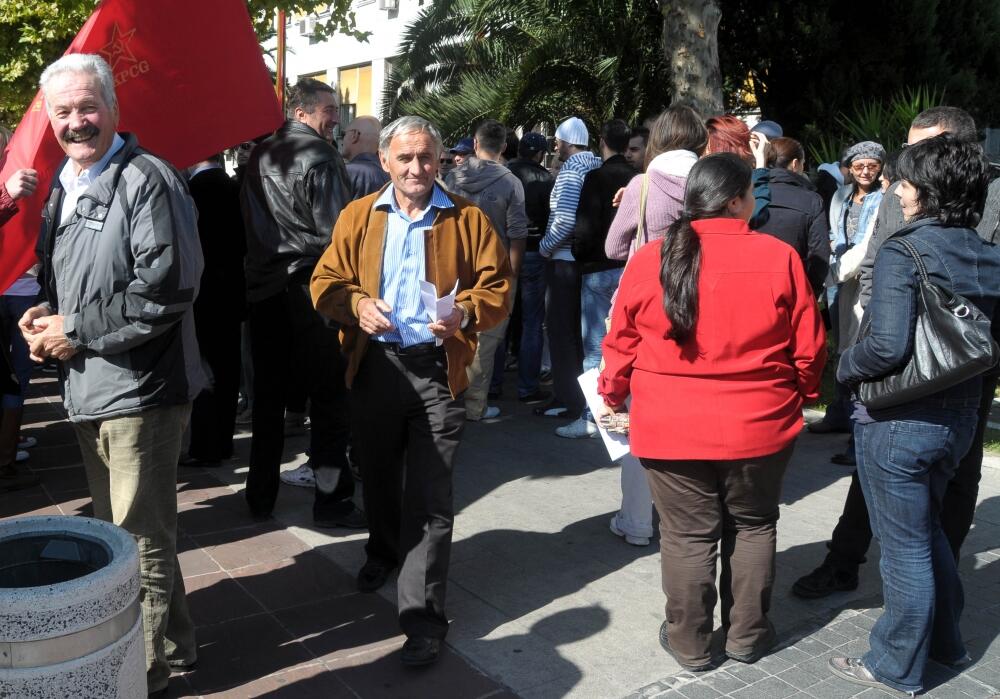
190	80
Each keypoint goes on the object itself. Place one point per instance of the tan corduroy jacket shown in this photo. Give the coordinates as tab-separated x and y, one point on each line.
461	245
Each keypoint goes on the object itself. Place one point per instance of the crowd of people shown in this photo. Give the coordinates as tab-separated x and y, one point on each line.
690	261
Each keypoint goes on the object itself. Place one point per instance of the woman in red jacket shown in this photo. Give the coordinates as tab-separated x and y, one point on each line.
717	338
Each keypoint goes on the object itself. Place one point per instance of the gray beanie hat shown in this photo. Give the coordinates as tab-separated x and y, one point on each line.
865	149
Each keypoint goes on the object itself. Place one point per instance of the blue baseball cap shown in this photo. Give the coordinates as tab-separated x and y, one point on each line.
463	147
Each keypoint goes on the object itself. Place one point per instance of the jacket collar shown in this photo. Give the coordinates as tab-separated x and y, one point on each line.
721	226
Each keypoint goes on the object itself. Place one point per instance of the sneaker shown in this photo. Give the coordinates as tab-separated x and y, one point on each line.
302	476
355	519
553	409
854	670
26	442
22	455
491	412
578	429
824	581
535	397
629	539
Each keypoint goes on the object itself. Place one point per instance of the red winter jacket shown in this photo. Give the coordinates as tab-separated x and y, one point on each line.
735	390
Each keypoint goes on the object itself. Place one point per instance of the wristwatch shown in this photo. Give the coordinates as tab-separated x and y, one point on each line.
465	317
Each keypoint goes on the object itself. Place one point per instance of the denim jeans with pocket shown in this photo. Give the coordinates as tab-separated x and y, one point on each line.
904	465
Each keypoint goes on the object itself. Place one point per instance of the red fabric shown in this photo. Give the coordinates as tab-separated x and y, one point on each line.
8	207
190	81
737	388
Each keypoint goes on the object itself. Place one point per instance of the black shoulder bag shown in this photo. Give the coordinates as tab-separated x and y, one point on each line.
952	343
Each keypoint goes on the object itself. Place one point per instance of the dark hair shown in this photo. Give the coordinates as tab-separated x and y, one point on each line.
951	177
615	134
492	136
727	134
889	167
639	132
510	148
677	128
712	183
304	95
781	151
953	120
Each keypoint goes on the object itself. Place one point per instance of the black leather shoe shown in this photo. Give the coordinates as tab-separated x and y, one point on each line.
355	519
372	576
845	459
420	650
665	645
824	427
824	581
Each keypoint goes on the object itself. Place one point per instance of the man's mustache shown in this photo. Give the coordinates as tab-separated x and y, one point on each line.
80	135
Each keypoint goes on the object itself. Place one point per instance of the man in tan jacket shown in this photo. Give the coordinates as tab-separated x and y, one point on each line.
407	368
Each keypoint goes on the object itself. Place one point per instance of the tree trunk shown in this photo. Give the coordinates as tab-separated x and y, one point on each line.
691	46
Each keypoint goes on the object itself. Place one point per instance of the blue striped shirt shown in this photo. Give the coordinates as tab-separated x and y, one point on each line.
404	266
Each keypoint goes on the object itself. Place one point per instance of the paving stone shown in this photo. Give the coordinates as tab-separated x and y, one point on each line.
747	673
768	688
800	677
835	688
698	690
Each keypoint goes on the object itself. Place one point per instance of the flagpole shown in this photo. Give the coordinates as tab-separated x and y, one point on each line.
279	86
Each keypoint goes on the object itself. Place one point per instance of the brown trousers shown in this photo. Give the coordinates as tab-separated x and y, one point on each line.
701	503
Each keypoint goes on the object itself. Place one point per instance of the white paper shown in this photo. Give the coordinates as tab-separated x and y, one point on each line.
616	444
437	308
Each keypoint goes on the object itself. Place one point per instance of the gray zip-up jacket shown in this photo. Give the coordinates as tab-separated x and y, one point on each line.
495	190
124	272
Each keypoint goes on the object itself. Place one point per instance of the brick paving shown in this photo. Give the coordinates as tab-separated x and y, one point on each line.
545	601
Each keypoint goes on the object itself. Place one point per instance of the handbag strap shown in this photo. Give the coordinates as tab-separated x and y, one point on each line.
921	269
640	230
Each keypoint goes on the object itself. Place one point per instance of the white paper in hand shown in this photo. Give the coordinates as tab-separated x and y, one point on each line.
437	308
616	444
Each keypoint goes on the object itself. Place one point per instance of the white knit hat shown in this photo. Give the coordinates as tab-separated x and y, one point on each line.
574	132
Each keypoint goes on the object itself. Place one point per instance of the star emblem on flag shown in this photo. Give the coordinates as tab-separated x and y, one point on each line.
118	48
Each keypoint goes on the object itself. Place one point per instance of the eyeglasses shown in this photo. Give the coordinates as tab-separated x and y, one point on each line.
861	167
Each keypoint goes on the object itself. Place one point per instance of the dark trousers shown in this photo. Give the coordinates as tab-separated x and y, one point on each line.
853	533
703	503
562	323
406	429
285	328
213	414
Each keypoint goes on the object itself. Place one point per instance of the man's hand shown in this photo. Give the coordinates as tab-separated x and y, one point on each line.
758	146
373	316
27	322
446	327
22	183
50	340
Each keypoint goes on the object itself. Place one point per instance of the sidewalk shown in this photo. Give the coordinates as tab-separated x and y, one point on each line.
546	601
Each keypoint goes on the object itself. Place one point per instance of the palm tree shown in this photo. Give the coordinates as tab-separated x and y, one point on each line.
529	61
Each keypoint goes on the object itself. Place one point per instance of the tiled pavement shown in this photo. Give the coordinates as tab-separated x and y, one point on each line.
546	603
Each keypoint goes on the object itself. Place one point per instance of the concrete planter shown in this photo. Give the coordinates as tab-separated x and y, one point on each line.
70	624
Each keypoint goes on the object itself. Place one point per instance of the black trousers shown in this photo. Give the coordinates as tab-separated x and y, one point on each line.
288	335
406	428
853	533
213	413
562	324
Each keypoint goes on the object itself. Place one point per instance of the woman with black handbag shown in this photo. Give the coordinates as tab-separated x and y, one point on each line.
921	403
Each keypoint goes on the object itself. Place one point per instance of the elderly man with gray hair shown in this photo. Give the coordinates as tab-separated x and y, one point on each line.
406	366
121	264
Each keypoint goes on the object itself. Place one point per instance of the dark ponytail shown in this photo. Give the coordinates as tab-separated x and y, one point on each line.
711	184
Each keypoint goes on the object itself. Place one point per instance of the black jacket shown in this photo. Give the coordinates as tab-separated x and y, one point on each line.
223	245
796	217
295	188
537	183
366	174
595	213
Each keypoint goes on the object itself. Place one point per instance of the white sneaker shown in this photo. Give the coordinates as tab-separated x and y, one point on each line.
26	442
302	476
22	455
629	539
491	412
578	429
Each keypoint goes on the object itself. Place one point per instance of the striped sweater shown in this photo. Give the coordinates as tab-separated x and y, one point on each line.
558	240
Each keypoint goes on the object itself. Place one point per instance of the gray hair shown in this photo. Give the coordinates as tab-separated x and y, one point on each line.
83	63
408	124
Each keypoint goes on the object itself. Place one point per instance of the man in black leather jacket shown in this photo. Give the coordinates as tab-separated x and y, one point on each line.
295	188
537	182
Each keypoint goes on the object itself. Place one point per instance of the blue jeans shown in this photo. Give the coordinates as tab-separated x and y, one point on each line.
532	287
596	293
904	465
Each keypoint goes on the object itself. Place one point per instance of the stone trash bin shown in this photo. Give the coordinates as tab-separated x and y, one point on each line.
70	624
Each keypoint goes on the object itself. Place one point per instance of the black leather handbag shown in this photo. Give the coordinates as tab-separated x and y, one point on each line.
952	343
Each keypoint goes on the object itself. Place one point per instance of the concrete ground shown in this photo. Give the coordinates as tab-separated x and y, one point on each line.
545	601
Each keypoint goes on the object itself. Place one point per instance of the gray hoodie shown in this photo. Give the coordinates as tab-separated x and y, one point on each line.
495	190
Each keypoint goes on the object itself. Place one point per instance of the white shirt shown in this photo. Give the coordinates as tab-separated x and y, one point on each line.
74	185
